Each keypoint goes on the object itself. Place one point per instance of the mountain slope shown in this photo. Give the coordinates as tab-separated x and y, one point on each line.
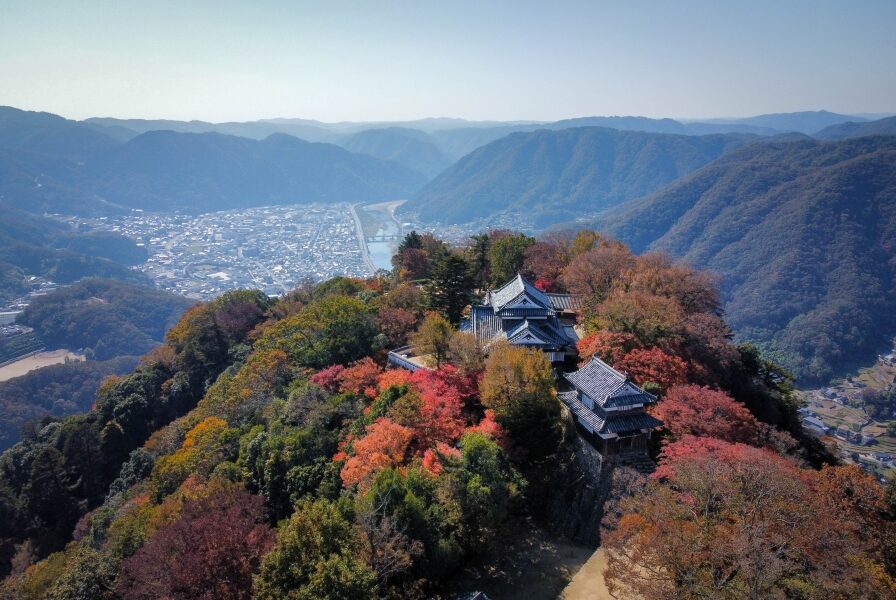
803	235
163	170
853	129
36	246
410	147
51	164
554	176
50	135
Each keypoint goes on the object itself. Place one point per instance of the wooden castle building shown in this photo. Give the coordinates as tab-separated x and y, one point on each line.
608	409
523	315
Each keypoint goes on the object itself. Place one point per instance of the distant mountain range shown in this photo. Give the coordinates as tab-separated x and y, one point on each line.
852	129
165	170
50	164
412	148
803	234
808	122
547	176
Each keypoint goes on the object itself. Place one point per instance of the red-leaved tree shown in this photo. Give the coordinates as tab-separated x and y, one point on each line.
701	411
653	365
384	445
209	552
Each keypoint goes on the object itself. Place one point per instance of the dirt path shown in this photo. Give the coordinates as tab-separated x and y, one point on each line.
530	564
588	583
36	361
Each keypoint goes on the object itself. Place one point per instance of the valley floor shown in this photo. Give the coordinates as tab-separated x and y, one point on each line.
36	361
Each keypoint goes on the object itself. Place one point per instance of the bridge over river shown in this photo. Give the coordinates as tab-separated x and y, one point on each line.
394	237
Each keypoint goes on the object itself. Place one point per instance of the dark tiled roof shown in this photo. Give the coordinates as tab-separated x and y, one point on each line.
565	302
610	424
582	413
515	288
634	422
607	386
542	330
488	327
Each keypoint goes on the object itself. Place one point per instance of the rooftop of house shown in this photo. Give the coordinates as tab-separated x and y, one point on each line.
606	386
607	424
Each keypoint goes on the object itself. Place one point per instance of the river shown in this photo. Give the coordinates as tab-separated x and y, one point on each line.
379	220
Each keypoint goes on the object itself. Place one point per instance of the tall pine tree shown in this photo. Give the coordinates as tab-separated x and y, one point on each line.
450	288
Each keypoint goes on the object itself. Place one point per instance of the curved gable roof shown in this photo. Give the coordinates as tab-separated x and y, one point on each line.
606	386
513	290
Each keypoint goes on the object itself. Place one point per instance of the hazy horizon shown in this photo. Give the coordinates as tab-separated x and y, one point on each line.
405	61
688	119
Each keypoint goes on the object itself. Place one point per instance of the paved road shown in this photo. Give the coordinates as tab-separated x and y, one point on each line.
362	240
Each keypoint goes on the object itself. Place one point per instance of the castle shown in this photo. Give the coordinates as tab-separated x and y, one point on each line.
603	405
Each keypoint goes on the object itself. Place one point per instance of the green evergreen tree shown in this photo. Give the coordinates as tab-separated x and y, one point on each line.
450	288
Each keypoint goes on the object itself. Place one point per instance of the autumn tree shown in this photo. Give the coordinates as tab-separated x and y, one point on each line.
333	330
653	320
450	287
724	520
544	263
465	352
384	445
593	274
396	324
609	346
360	377
692	290
584	241
700	411
441	410
518	385
433	338
204	446
210	551
652	365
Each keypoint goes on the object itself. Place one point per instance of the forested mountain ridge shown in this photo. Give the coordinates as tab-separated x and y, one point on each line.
50	135
51	164
163	170
412	148
552	176
54	391
803	235
886	126
267	451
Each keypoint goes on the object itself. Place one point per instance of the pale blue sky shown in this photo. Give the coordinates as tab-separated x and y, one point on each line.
360	60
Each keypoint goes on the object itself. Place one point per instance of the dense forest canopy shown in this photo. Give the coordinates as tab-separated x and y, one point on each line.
265	450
